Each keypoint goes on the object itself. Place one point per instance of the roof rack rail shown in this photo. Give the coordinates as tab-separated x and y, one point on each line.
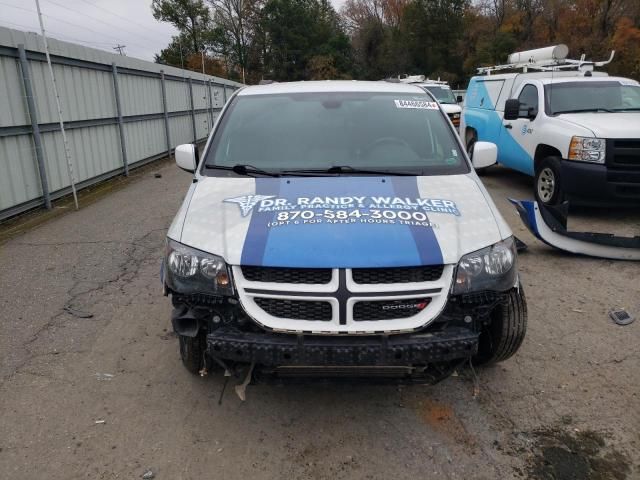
546	59
404	78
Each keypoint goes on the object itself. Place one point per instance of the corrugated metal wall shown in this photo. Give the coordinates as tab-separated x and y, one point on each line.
85	81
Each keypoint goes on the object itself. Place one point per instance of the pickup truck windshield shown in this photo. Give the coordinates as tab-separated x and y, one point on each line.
442	94
335	134
591	96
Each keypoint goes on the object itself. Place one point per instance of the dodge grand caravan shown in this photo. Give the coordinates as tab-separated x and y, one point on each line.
338	228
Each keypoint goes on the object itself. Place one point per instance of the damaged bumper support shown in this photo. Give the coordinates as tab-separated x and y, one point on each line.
549	224
273	349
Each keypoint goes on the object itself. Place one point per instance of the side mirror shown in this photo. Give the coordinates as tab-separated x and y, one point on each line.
459	99
512	109
186	157
485	154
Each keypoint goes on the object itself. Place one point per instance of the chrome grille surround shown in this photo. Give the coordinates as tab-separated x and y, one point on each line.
342	293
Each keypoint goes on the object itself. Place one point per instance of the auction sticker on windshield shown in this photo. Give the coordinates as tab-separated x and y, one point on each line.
419	104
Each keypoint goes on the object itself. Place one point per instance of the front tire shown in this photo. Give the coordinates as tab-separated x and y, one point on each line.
548	184
193	351
503	337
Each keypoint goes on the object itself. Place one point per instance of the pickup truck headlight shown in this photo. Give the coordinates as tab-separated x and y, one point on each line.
587	149
190	271
492	268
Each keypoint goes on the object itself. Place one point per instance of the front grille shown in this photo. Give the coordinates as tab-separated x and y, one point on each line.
428	273
296	309
388	309
287	275
624	153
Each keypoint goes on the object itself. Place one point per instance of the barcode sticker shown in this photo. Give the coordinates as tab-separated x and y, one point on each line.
419	104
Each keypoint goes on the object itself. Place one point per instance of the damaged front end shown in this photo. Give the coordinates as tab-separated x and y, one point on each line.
234	341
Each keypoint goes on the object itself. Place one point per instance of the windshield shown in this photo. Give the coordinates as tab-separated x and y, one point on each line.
442	93
606	96
382	132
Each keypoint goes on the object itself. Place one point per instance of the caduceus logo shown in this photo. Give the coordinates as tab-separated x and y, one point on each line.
247	202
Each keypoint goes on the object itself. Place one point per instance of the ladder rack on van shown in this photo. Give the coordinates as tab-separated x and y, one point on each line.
419	79
546	59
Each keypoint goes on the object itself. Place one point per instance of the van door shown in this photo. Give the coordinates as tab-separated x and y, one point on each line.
480	112
518	142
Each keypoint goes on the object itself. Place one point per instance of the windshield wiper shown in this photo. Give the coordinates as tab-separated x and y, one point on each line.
338	169
241	169
584	110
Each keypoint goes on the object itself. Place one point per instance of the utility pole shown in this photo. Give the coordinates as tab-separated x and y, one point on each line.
57	97
120	49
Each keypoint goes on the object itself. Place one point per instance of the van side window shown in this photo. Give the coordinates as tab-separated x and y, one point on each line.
529	101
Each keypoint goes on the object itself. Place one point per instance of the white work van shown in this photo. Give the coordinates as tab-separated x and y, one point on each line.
577	131
442	93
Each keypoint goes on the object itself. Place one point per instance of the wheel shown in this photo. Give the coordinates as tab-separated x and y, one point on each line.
503	337
193	351
548	184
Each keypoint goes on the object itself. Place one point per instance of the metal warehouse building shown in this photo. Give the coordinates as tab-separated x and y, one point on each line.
119	113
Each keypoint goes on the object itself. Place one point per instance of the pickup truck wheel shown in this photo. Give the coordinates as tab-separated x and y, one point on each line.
503	337
192	352
548	184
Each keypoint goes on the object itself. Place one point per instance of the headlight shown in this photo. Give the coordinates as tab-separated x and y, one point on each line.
492	268
587	149
192	271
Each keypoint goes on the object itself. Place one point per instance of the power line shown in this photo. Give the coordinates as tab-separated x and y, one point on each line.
60	36
120	49
115	40
52	17
97	19
99	7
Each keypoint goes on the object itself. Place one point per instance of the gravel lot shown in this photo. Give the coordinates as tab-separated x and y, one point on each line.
106	396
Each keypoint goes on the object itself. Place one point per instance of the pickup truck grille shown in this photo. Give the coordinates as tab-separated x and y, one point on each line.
298	309
287	275
397	275
624	153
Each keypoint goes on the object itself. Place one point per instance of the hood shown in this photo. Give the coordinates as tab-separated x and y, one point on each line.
607	125
339	222
451	108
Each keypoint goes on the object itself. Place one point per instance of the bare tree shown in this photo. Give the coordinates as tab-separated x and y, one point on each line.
233	21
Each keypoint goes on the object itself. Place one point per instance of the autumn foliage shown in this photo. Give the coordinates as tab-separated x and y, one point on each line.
451	38
250	40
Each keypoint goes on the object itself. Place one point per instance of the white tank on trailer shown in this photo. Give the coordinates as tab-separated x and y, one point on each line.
556	52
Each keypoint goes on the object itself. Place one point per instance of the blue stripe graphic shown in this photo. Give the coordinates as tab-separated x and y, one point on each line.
338	245
424	238
256	240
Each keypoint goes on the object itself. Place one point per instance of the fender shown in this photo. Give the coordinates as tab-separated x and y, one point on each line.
550	226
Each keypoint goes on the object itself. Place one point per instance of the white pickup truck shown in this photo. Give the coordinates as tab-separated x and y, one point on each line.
577	131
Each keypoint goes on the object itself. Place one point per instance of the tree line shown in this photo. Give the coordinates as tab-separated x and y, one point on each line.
284	40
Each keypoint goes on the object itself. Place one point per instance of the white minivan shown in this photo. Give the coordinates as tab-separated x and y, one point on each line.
338	228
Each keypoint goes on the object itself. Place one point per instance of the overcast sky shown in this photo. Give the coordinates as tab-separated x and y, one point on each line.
95	23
